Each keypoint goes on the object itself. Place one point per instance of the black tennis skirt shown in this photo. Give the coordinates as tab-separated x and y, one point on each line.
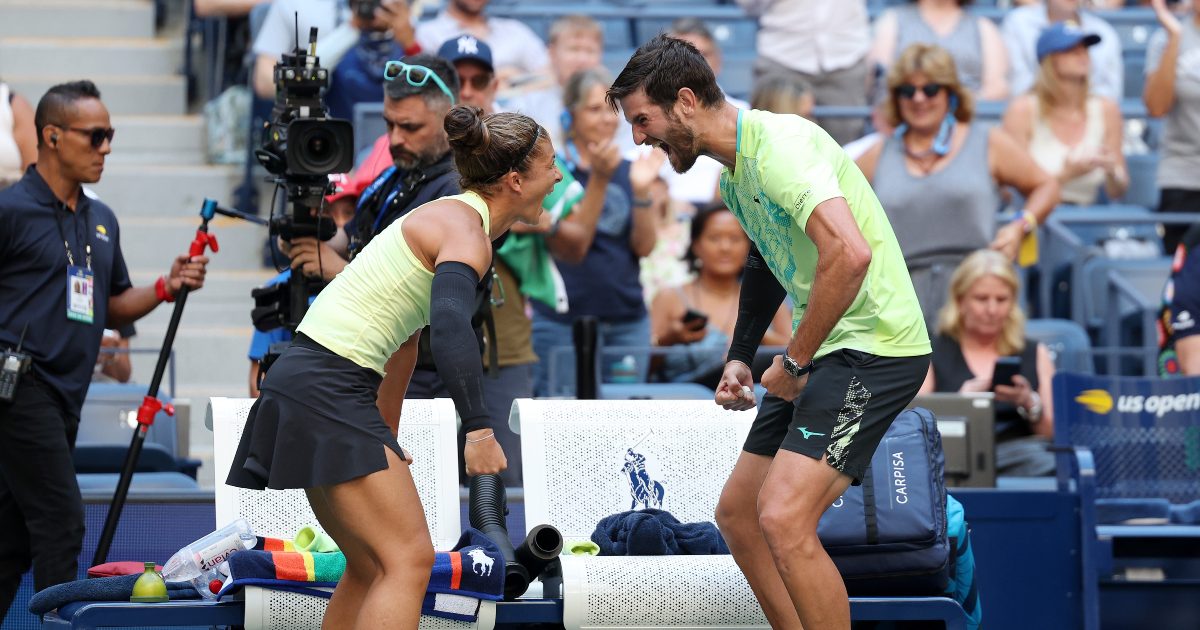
315	423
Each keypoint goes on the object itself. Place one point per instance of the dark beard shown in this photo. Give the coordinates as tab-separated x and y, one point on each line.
415	162
682	142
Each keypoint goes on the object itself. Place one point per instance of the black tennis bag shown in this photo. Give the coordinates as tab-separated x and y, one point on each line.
888	535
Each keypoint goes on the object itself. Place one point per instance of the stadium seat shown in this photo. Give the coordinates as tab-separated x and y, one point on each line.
106	424
1067	342
1143	435
368	125
1135	73
1134	26
689	448
1143	184
427	428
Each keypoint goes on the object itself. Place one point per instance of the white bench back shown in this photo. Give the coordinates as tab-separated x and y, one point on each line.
428	430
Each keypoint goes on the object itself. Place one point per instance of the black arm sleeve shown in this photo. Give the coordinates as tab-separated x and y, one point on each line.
760	298
453	343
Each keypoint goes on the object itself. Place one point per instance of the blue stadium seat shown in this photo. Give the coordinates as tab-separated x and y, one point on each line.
1118	300
105	432
368	125
1134	26
737	74
1135	74
734	30
613	20
1067	341
1143	184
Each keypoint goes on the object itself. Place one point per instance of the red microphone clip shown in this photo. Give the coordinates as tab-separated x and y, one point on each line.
150	407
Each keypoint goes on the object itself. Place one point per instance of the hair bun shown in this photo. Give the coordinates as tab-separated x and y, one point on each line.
466	130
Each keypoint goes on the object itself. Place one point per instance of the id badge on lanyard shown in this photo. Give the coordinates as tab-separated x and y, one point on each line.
80	294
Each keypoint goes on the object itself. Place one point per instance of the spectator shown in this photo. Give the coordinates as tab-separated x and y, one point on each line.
18	140
576	44
1179	335
236	36
513	334
939	169
973	42
1023	26
1072	134
777	94
517	52
385	35
472	59
980	323
41	513
1173	90
820	44
225	8
339	30
604	284
112	364
696	320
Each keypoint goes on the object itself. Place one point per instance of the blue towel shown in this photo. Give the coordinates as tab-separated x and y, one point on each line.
1186	514
119	588
1117	511
653	532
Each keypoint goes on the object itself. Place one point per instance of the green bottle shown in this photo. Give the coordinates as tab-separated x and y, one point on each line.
150	587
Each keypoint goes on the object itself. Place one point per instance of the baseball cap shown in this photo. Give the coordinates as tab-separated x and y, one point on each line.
1063	36
467	48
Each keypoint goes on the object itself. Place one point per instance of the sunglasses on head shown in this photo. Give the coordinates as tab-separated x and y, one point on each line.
417	76
97	135
908	90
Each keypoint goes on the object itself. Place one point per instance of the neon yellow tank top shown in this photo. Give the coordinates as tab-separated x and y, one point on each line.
380	298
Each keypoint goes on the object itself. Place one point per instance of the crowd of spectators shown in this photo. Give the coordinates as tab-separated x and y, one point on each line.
629	233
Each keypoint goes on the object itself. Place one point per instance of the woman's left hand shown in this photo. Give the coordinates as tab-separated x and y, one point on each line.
1008	239
1020	393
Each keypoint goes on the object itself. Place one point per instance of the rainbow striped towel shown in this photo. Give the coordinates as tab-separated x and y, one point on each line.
472	571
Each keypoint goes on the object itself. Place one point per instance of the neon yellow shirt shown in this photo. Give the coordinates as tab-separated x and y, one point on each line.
784	167
379	299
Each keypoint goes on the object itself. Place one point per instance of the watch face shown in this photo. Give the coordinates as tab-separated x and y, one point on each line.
790	366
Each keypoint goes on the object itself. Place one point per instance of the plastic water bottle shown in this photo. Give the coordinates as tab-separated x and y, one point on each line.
197	563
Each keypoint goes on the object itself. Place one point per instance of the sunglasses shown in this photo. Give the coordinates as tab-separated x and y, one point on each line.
480	82
908	90
417	76
97	135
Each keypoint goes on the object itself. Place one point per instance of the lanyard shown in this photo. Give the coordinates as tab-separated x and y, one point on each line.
87	244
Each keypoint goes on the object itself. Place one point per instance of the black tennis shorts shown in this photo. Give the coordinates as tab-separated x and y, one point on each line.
848	404
315	423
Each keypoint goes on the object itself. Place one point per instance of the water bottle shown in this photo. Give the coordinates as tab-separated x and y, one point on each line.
197	563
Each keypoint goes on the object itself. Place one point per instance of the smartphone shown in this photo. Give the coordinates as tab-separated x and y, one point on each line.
1006	369
695	319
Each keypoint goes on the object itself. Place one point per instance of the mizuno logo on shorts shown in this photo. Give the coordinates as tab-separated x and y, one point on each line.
807	434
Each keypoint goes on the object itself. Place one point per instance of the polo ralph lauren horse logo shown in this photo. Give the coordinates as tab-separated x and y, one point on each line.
480	562
645	491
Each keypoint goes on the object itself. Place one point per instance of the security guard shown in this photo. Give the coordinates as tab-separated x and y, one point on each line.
63	280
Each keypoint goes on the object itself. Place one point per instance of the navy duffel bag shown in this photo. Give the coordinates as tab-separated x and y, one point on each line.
888	535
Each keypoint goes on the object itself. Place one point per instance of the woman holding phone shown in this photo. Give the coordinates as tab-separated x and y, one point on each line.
696	320
981	346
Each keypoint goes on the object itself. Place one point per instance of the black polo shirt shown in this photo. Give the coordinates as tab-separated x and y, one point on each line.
33	280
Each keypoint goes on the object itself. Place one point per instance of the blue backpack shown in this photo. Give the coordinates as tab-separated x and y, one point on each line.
888	536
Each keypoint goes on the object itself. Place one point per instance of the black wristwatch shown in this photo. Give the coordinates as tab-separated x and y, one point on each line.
795	369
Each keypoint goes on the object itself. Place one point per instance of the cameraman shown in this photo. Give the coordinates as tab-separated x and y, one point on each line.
51	232
422	168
